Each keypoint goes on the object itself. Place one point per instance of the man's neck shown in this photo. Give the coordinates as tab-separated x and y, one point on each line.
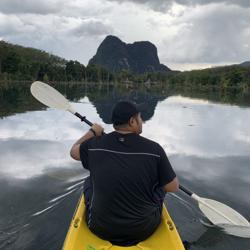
120	131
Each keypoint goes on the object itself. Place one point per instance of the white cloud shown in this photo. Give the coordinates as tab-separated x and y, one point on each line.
188	34
88	8
71	37
30	6
91	27
209	34
10	25
163	5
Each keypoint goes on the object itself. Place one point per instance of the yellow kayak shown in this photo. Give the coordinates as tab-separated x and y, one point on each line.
79	237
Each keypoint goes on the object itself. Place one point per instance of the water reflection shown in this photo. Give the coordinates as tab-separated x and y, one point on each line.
208	144
216	129
105	105
28	219
16	97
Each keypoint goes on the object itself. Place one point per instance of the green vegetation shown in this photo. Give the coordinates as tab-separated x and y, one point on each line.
221	77
234	76
28	64
19	63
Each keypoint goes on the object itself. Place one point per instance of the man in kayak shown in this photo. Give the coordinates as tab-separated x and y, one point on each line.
129	176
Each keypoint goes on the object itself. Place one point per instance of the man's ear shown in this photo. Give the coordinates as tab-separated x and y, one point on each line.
131	121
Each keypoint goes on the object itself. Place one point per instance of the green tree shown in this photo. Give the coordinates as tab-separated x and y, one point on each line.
75	70
10	63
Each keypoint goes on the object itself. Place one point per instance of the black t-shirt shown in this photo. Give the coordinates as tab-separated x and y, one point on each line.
128	173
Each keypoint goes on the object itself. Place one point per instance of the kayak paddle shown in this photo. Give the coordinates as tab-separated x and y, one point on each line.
217	212
53	99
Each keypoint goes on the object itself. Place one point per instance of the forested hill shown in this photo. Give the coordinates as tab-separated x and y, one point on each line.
21	63
30	55
28	64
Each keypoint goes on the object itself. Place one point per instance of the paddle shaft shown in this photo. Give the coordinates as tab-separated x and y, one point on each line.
185	190
83	119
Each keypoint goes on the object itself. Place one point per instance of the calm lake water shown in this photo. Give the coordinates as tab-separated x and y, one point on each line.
206	135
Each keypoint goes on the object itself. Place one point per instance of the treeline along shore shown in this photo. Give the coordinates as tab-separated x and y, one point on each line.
18	63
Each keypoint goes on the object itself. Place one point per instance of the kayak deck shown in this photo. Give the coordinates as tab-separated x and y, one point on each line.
79	237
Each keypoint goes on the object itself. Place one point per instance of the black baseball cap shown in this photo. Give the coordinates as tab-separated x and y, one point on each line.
123	111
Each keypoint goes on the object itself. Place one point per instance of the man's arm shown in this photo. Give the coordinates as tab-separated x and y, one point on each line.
96	130
172	186
167	177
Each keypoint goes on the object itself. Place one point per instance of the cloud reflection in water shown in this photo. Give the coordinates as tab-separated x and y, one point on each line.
217	130
34	141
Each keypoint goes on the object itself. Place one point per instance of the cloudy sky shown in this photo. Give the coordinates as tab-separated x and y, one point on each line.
188	33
